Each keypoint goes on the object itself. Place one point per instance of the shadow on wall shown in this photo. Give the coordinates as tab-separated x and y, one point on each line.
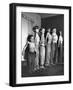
54	21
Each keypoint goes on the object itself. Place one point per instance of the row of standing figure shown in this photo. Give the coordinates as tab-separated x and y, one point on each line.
43	51
47	48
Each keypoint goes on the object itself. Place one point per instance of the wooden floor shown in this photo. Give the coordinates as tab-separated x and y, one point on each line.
52	70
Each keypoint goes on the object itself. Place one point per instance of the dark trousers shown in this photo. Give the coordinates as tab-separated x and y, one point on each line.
54	53
31	61
60	54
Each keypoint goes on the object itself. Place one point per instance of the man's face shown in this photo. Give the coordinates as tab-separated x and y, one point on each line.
54	30
43	30
37	30
60	33
48	30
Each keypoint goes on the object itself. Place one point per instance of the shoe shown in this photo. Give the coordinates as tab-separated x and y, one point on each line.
42	67
46	65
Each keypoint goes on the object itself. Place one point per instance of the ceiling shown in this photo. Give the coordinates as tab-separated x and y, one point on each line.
47	15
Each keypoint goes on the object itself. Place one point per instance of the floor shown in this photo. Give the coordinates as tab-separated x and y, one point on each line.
52	70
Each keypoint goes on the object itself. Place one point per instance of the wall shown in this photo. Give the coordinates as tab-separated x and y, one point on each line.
29	20
55	21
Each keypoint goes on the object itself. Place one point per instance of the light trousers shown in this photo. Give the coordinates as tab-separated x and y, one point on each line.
54	53
48	54
42	55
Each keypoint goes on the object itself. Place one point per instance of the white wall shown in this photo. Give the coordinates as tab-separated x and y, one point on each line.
34	17
27	25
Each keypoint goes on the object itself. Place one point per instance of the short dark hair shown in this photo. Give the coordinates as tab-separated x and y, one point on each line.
29	38
35	27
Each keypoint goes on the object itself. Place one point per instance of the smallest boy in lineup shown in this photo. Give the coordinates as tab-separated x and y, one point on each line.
30	53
